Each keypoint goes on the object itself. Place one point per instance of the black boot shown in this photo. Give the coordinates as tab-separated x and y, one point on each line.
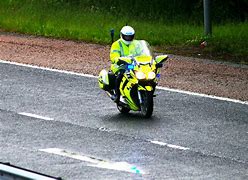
116	96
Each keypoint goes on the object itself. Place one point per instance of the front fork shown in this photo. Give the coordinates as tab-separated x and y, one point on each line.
140	98
146	88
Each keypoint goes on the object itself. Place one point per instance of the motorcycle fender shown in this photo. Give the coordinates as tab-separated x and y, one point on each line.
140	88
146	88
149	88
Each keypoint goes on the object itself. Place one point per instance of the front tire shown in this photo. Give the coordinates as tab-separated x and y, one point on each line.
147	105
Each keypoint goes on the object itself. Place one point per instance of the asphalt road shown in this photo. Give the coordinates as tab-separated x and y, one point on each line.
65	126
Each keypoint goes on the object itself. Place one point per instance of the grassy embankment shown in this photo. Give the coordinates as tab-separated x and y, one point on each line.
229	40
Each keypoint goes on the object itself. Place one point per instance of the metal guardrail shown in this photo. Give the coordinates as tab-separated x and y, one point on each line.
11	172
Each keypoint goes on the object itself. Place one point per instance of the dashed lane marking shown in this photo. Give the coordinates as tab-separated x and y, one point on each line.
36	116
169	145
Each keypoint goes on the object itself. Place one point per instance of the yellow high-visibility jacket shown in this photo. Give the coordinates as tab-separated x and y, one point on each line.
119	49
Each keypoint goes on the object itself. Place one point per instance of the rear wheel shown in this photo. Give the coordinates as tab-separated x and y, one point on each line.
147	105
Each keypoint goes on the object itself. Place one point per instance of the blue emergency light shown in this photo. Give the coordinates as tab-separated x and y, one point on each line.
130	67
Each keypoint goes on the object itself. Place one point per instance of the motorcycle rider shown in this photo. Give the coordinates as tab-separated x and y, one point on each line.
120	48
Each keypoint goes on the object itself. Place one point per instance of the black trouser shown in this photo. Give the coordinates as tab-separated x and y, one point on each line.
118	82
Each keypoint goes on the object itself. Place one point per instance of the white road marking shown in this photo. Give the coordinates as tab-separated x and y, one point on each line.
47	69
159	87
202	95
95	162
36	116
169	145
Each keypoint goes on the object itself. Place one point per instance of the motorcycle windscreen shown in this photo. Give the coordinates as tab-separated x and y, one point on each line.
139	48
143	59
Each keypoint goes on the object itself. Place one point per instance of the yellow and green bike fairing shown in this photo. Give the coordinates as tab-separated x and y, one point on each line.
129	81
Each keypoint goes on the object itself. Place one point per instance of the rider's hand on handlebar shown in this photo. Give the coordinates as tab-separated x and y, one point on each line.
124	60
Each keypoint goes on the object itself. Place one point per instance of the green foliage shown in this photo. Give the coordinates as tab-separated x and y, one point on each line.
163	24
165	10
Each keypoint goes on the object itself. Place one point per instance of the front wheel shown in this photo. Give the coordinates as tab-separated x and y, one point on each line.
147	104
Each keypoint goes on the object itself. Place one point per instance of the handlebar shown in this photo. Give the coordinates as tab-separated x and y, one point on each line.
124	61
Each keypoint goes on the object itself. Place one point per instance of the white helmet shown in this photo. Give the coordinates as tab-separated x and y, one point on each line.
127	34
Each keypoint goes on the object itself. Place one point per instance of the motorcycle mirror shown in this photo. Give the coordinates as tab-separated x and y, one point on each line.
161	58
120	62
112	33
159	65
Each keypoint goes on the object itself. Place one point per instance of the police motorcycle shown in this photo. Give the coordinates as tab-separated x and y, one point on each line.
139	81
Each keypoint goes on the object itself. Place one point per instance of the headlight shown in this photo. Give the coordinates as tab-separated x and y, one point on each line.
140	75
151	75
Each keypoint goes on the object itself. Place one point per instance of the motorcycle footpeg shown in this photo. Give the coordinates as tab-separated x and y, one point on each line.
122	104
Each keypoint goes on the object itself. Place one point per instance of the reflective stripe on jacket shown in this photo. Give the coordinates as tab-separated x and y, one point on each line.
118	49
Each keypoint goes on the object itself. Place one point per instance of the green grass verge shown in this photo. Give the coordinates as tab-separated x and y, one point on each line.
229	41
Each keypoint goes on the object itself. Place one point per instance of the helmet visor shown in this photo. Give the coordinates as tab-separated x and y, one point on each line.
128	37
